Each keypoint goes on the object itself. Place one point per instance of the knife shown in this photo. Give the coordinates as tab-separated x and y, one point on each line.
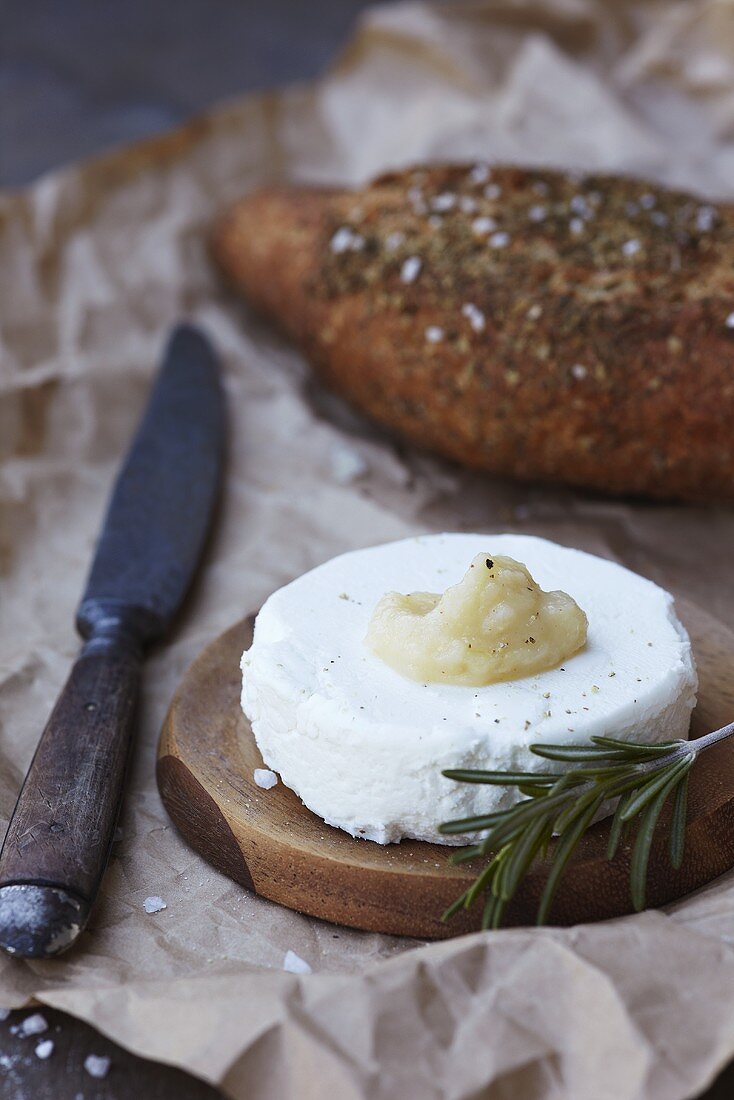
59	837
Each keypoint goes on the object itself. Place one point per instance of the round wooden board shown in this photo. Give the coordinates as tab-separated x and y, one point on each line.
269	842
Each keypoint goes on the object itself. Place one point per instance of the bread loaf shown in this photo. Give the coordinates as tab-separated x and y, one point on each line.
529	323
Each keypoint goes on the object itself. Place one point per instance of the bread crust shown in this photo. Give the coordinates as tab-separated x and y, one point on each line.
554	328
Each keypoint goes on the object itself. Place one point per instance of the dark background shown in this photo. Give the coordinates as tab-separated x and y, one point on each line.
78	77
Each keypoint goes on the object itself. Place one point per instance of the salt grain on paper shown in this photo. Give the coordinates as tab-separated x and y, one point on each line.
434	334
410	270
97	1065
346	465
45	1049
154	905
294	964
264	778
32	1025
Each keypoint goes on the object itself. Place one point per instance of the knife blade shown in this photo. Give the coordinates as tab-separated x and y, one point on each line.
160	512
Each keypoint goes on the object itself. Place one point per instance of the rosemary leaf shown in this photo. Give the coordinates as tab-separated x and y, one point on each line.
470	824
484	878
454	907
617	826
465	854
578	753
657	748
521	857
643	843
566	844
640	775
501	779
659	780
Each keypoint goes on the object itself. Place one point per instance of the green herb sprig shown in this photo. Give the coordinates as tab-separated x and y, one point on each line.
563	804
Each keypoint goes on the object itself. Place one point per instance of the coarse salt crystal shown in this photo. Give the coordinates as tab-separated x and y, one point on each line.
154	905
537	213
535	312
729	322
446	201
540	187
499	240
410	270
657	217
97	1065
705	219
346	240
577	226
493	191
346	466
294	964
579	205
467	204
32	1025
480	173
341	240
4	1013
264	778
45	1049
647	201
578	370
474	315
631	209
394	240
415	195
434	334
483	225
631	247
435	221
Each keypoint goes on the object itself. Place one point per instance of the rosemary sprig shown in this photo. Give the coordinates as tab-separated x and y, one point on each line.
641	777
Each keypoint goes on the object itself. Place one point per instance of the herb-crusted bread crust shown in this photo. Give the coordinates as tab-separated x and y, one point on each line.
529	323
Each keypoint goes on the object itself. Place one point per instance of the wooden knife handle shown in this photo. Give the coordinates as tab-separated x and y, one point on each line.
59	838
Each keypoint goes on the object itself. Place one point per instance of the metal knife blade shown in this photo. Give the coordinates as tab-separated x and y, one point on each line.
61	831
161	507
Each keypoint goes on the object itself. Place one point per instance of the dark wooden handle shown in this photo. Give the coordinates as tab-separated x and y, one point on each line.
61	831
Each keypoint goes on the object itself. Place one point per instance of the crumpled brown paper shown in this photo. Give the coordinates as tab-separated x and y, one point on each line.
96	262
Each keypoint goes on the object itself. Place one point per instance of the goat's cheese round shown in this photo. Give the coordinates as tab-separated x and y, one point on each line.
364	747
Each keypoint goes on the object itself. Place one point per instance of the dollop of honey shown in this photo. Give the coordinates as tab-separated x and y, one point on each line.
496	624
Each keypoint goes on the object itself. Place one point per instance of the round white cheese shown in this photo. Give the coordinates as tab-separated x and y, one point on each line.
364	748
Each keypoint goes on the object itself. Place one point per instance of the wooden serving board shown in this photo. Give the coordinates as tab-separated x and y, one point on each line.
269	842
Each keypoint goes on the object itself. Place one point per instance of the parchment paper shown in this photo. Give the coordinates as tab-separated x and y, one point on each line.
96	262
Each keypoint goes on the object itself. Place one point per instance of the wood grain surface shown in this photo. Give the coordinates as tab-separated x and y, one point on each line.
62	1076
270	842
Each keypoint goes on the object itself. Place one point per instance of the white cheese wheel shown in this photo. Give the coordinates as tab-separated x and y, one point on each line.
364	748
